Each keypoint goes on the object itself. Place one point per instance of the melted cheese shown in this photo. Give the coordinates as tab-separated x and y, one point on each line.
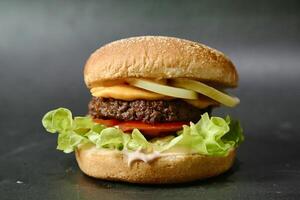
202	102
126	92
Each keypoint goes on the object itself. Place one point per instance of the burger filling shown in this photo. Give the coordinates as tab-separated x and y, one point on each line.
150	116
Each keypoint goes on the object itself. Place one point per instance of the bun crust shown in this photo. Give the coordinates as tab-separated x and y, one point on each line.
113	165
159	57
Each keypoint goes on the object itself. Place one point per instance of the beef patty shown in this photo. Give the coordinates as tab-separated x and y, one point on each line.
144	110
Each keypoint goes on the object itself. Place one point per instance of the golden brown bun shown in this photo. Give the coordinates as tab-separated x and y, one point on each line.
159	57
112	165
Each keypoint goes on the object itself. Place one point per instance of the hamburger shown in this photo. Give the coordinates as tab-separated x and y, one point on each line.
149	119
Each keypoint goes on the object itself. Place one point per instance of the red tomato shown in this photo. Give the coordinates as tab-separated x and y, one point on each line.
107	122
151	130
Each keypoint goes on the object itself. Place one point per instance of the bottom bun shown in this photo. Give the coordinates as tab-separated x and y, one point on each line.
168	168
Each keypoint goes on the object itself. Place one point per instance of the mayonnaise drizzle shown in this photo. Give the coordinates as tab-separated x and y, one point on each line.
140	155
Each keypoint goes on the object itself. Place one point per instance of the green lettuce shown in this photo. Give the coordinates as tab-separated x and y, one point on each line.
213	136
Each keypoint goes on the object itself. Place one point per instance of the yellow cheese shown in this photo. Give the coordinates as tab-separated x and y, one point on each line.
202	102
126	92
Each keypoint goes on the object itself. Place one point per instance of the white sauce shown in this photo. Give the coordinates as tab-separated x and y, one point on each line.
140	155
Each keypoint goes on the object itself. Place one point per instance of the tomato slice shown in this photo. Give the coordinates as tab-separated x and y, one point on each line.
151	130
107	122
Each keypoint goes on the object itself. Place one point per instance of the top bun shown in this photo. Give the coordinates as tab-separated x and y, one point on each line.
159	57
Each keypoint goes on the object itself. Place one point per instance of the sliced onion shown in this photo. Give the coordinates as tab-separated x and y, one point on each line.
206	90
163	89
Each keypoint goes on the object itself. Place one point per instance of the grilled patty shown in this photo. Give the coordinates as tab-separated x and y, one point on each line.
145	111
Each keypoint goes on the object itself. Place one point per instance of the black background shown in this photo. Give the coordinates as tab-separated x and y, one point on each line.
43	48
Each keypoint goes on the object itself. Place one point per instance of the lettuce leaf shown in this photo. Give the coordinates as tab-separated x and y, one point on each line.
67	142
235	133
59	120
111	138
137	141
212	136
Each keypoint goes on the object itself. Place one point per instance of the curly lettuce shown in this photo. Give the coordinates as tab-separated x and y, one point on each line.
213	136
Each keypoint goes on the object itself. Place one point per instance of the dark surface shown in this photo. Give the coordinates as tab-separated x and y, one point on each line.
43	47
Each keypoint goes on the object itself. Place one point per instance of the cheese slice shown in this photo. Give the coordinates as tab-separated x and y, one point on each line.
126	92
202	102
